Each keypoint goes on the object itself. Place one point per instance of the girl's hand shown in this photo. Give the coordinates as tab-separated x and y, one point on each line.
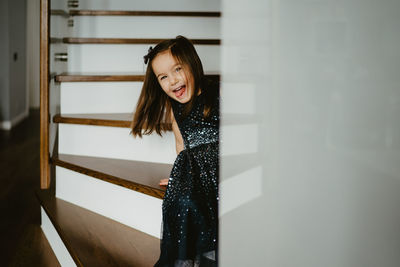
164	182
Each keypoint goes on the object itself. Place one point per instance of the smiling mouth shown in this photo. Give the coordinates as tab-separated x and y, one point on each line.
179	91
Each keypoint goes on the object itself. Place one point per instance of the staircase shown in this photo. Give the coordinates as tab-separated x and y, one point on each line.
106	209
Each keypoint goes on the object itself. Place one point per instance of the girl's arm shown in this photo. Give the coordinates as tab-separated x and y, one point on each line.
177	134
178	143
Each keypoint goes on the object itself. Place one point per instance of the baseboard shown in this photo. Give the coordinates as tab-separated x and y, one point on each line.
8	125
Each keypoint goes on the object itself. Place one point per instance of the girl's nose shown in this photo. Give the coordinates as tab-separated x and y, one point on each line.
174	79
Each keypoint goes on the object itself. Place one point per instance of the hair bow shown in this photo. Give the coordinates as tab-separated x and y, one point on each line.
147	57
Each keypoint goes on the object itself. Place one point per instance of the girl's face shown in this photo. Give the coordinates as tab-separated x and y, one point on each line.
172	77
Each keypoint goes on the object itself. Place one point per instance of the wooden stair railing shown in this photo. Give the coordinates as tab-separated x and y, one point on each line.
44	94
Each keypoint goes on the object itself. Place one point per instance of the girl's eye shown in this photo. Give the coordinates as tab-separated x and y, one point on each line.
178	69
163	77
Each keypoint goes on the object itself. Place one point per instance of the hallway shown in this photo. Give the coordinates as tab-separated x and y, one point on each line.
22	240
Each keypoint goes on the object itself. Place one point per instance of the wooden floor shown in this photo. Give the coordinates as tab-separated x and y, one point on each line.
22	240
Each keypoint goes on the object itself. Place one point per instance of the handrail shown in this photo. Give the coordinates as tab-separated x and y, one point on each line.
44	94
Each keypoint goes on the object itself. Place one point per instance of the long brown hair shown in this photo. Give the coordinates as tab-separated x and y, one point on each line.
153	109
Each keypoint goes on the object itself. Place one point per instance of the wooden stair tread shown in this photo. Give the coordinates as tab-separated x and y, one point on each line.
140	176
33	248
99	77
59	12
79	40
143	13
109	77
94	240
101	119
124	119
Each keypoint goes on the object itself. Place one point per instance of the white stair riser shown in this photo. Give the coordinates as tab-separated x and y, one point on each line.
129	207
121	97
146	27
57	4
99	97
61	252
125	57
59	27
114	142
172	5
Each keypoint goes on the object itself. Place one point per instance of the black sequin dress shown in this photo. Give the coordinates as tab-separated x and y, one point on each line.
190	206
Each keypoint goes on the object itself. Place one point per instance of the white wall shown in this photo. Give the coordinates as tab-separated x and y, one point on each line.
4	63
322	85
13	103
33	53
17	55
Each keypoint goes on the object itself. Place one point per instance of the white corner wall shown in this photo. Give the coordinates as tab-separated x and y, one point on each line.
323	186
32	53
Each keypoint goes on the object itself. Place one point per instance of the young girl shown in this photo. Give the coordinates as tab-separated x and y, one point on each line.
175	91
